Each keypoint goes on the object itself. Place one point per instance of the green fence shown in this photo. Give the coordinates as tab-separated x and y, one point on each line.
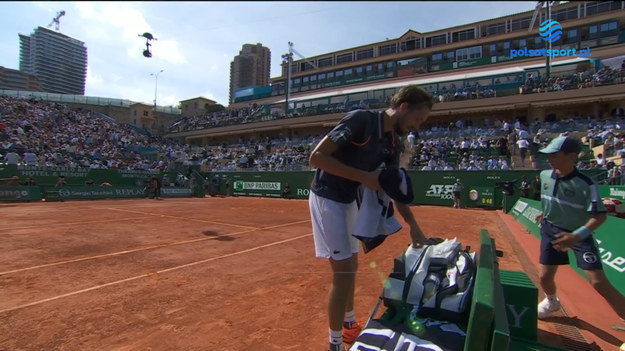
609	238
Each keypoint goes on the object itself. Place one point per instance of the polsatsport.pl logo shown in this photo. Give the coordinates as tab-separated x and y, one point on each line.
550	31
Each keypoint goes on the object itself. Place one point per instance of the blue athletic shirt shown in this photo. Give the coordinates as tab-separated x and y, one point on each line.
362	145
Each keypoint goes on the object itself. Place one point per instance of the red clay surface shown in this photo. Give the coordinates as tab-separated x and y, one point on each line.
187	274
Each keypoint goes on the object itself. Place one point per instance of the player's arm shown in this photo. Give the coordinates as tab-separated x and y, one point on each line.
416	234
566	241
321	157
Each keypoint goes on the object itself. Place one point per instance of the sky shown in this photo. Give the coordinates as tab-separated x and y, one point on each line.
196	41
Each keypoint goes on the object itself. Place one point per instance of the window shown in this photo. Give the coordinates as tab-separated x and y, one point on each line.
349	72
463	35
364	54
592	32
506	45
496	28
462	54
609	28
437	57
449	56
436	40
359	70
521	23
388	49
297	81
571	36
380	67
344	58
330	75
564	14
475	52
322	76
313	78
493	49
324	62
390	65
369	69
135	111
594	8
522	43
339	73
538	43
305	80
145	113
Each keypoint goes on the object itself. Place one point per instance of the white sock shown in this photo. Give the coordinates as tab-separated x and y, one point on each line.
552	298
336	337
350	317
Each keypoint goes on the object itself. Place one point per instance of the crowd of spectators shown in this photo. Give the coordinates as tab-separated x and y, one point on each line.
576	80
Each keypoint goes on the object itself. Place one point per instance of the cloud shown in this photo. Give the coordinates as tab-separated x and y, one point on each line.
168	50
93	79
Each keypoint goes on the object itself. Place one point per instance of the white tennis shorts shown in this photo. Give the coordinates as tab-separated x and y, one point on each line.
333	223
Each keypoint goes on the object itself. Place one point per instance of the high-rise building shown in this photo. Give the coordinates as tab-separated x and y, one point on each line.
58	61
251	67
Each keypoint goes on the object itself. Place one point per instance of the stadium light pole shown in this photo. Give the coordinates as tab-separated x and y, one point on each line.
287	59
156	85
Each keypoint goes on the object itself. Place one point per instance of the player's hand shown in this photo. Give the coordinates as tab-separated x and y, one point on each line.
371	180
539	218
418	238
565	241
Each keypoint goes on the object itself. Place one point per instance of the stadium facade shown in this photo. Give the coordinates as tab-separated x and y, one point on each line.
488	43
57	60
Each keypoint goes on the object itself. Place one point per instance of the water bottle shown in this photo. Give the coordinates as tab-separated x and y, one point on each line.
430	286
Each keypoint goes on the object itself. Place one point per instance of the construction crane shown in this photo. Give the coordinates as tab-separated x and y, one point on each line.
288	58
291	50
539	6
57	20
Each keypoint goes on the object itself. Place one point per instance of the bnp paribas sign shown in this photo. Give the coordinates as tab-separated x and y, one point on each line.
240	185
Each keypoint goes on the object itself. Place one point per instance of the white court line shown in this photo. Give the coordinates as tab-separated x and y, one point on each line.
150	274
185	218
74	223
148	248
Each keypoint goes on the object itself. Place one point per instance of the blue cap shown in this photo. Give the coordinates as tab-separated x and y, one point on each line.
566	144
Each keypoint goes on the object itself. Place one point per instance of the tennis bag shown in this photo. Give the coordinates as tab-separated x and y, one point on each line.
436	279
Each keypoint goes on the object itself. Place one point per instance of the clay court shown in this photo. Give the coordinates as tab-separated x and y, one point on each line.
187	274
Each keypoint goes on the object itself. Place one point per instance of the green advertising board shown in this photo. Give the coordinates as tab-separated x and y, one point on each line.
94	192
20	193
435	187
47	176
608	237
613	191
176	192
266	184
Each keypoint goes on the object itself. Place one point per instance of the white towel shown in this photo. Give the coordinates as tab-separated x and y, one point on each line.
376	219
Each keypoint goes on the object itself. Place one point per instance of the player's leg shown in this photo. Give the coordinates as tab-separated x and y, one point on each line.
550	259
600	282
330	232
588	259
